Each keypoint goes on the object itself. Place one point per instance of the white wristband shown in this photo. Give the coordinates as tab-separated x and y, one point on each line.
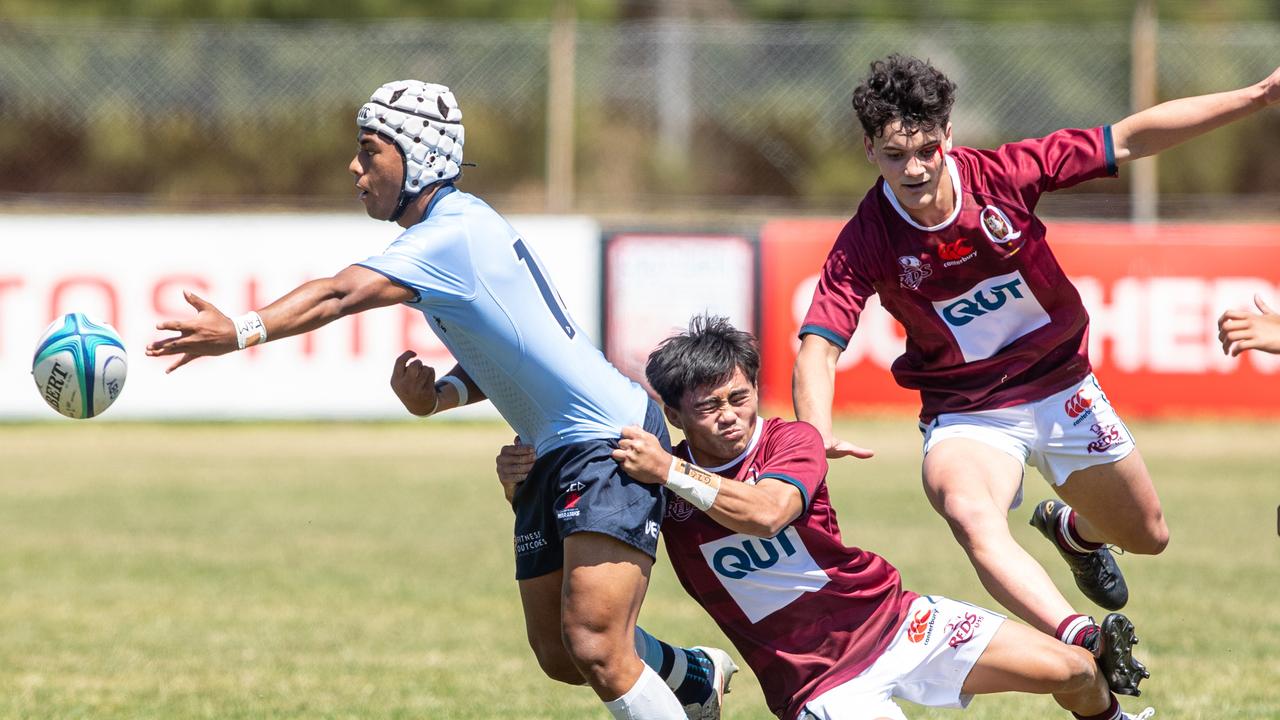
249	330
457	384
693	484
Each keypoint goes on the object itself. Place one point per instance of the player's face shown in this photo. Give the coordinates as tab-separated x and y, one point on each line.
914	168
379	172
718	421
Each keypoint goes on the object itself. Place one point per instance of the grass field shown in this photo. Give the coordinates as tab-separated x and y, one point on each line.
364	571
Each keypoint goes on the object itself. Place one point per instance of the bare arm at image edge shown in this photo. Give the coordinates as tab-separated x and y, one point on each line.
1171	123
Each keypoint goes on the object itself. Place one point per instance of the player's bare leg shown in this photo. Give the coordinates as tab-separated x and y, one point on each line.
1116	504
604	584
972	485
1020	659
1107	504
540	597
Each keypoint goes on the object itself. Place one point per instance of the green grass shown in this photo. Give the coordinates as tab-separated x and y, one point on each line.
364	571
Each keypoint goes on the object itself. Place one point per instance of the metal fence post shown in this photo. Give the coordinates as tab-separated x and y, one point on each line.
1144	190
561	50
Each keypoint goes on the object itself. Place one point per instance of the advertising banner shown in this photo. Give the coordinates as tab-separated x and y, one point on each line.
1153	294
131	270
655	282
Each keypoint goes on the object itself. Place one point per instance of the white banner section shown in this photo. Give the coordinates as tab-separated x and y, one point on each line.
131	270
656	282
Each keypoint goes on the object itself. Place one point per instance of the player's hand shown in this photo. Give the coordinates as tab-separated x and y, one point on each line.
641	456
414	383
514	463
208	333
1271	88
1240	330
837	448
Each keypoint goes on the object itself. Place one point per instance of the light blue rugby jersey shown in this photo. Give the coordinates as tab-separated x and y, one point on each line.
486	296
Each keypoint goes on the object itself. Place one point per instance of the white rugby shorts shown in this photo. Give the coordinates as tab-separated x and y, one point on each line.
927	663
1065	432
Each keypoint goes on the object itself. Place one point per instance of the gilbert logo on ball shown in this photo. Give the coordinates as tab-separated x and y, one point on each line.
79	366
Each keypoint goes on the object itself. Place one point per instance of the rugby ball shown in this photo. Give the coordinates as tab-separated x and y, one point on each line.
79	366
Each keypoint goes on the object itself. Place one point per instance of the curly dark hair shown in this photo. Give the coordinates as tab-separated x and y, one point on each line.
707	354
901	87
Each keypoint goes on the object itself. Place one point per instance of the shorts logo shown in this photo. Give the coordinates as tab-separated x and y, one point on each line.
992	314
529	542
1108	435
912	272
999	230
921	626
1078	407
571	499
961	631
651	528
764	575
956	252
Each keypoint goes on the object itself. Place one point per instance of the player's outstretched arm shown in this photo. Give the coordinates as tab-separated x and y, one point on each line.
763	510
415	384
1240	330
1168	124
813	386
307	307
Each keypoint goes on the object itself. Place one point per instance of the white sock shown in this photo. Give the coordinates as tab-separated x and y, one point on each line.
648	699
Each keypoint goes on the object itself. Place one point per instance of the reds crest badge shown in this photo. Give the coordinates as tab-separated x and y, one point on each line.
999	230
678	509
913	272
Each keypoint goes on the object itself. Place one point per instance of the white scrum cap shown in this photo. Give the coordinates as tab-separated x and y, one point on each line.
425	122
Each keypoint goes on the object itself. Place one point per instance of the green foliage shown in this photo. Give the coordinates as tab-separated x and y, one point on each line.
1007	11
993	11
181	10
195	113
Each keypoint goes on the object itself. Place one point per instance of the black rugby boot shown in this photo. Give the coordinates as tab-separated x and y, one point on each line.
1115	656
1096	573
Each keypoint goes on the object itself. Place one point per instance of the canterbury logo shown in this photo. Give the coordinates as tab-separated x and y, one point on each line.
1077	404
954	250
919	626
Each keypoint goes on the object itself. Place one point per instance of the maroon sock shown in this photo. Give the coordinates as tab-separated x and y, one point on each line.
1081	631
1111	713
1069	537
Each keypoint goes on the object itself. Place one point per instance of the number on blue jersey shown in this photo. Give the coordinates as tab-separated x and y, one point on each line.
544	287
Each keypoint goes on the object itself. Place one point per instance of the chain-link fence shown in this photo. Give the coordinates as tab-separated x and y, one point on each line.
665	116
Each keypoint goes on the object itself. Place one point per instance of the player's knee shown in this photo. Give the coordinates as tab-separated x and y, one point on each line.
970	518
1157	537
593	652
555	662
1076	670
1150	538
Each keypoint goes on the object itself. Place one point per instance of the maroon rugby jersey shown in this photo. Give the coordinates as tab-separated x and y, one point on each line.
806	612
991	319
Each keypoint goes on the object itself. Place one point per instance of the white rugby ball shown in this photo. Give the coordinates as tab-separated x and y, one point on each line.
79	366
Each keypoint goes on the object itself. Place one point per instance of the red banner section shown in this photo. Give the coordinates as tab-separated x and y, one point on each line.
1153	293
